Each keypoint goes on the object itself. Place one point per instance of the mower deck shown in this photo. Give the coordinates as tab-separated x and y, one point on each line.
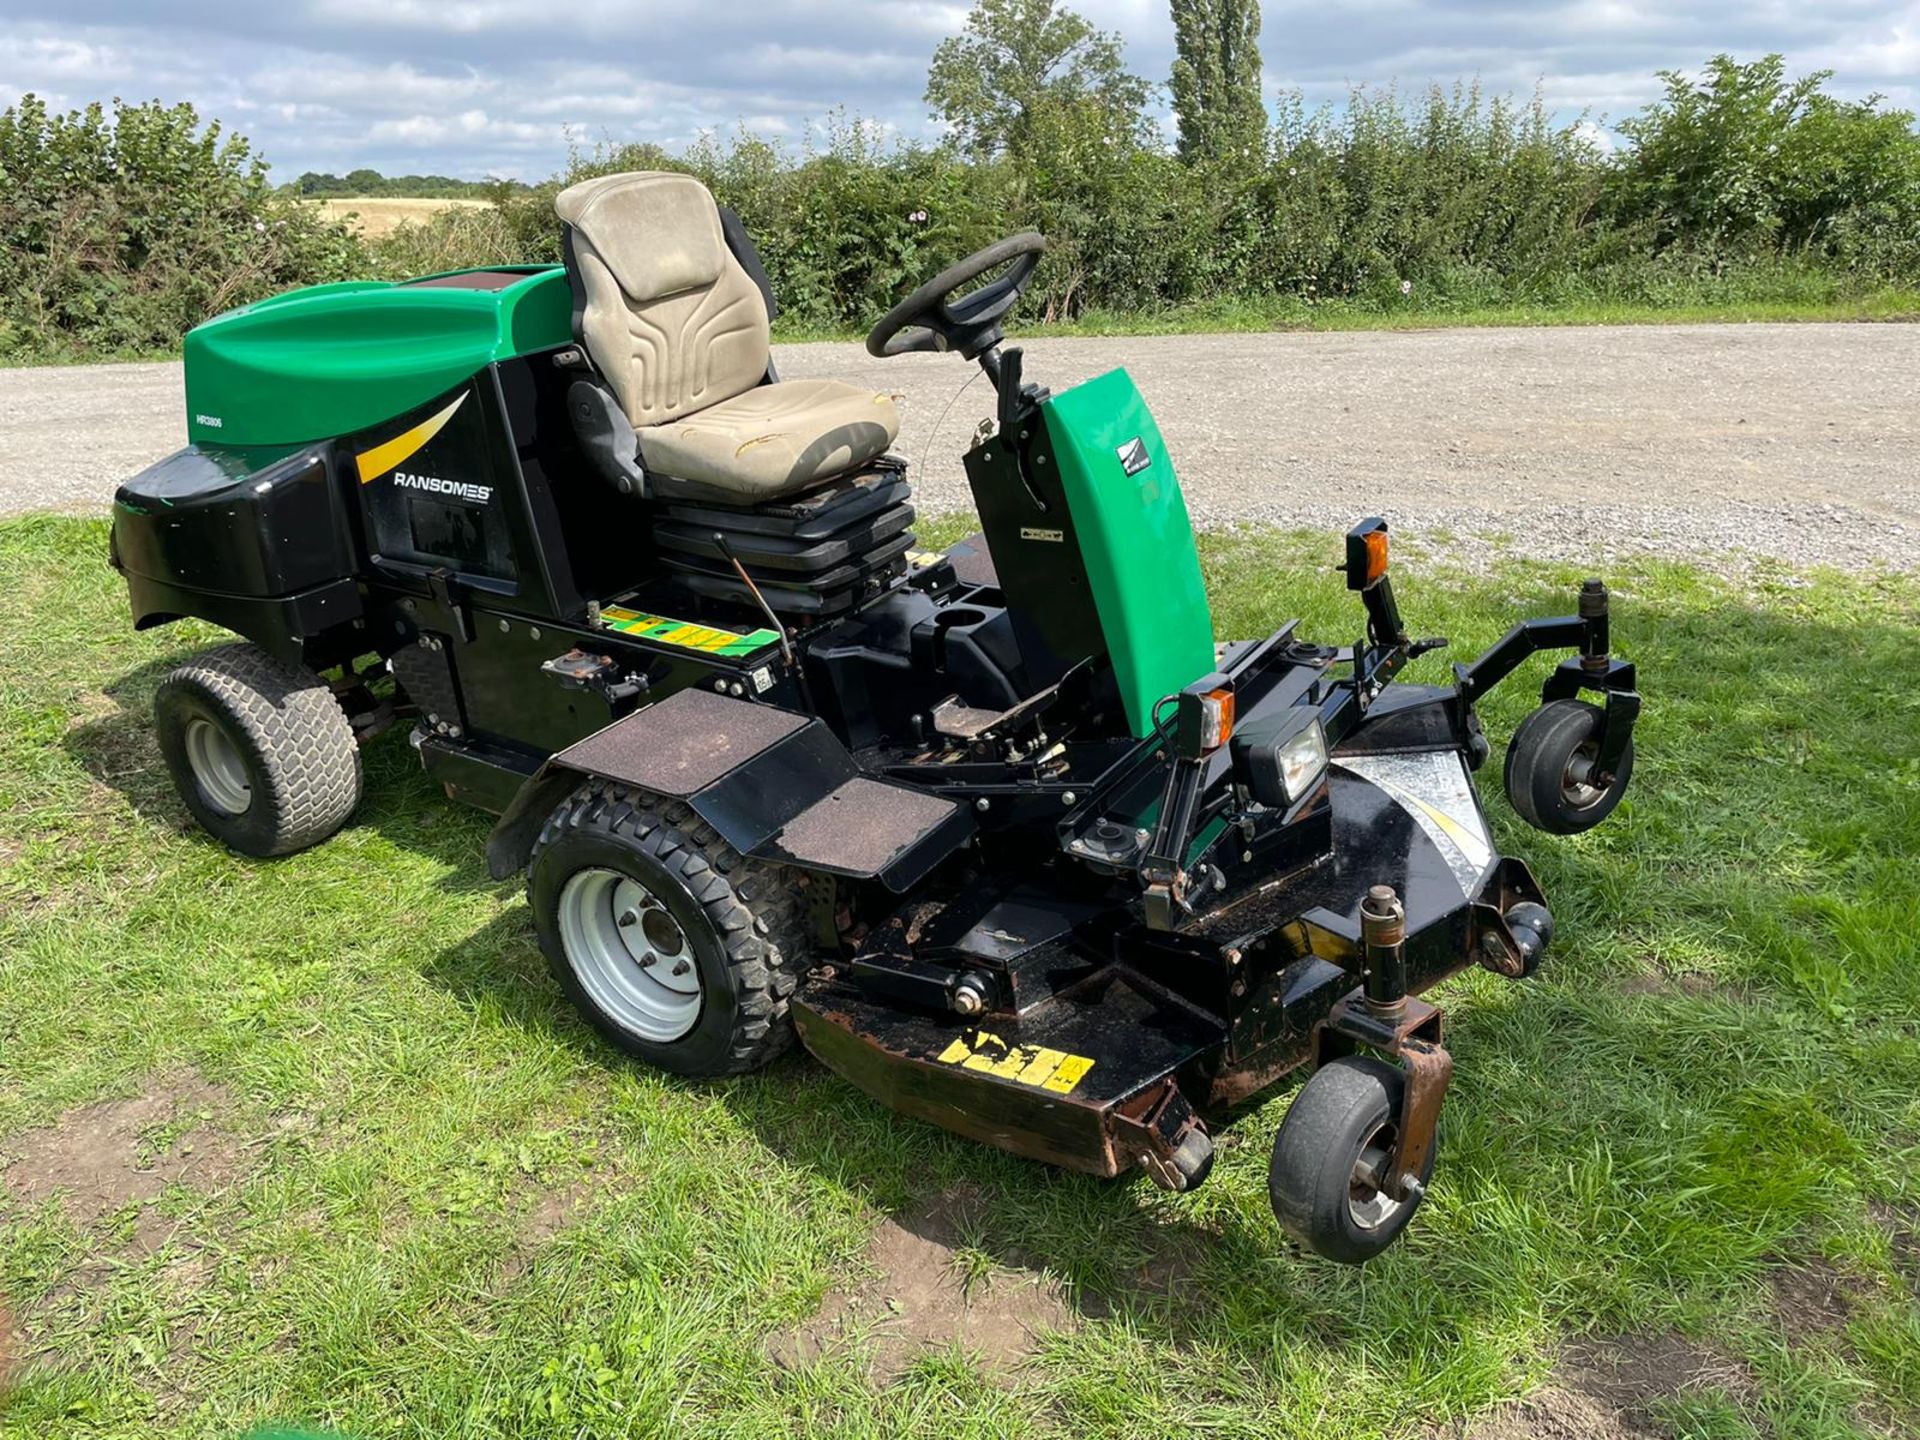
1133	1035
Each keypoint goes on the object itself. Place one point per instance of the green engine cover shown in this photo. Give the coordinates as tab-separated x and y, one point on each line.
1135	540
332	359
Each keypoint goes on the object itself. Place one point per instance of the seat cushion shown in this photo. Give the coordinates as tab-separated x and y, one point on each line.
775	439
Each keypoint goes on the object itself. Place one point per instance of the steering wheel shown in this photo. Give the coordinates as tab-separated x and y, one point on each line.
929	319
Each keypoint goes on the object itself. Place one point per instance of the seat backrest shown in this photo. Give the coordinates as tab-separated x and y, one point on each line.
669	317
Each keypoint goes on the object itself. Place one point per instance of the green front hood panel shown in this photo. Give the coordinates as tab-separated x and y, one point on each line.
1135	540
332	359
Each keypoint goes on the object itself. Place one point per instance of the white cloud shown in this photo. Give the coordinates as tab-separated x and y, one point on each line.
434	130
1605	141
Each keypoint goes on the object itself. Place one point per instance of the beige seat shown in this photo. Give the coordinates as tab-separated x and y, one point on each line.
678	330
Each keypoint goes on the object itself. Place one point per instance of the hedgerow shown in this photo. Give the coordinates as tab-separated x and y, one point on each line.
122	229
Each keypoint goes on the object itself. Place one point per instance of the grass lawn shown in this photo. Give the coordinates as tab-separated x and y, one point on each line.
331	1149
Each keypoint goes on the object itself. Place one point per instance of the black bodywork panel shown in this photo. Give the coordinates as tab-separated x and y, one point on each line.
267	553
774	784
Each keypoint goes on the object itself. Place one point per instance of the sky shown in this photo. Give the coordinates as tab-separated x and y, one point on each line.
500	87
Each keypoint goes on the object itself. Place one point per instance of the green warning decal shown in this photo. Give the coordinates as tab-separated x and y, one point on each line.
684	633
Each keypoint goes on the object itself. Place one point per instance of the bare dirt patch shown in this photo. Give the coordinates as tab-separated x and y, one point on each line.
553	1210
1902	1224
922	1296
13	1350
1606	1389
1693	984
1810	1299
99	1159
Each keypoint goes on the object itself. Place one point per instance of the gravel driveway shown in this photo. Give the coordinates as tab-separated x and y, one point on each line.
1800	442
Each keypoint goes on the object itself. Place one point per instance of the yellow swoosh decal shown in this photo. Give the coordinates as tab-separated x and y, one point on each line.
1458	833
382	458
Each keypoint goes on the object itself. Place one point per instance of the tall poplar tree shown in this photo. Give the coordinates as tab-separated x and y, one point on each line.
1216	80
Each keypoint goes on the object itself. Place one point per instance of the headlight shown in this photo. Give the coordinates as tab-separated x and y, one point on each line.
1281	762
1301	760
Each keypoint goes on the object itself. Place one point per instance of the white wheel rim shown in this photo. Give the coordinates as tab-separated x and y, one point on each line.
1370	1208
217	767
642	974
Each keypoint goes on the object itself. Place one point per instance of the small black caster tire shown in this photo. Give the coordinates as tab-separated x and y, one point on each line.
259	749
1548	765
672	945
1187	1168
1347	1112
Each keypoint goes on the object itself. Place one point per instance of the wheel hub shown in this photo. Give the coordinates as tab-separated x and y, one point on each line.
217	767
630	954
1577	788
1369	1204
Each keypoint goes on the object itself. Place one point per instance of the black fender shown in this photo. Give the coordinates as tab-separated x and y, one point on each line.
775	784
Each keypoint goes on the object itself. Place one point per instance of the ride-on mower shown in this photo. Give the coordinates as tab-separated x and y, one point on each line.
1001	834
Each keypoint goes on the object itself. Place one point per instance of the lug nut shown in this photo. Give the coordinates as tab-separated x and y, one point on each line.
629	917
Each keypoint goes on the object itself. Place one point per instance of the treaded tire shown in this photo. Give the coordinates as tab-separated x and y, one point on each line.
744	920
1537	782
1344	1104
288	735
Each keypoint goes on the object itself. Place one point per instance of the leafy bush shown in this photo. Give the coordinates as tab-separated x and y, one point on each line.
1744	162
119	230
1742	186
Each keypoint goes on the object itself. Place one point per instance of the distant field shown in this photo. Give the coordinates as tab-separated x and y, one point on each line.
382	216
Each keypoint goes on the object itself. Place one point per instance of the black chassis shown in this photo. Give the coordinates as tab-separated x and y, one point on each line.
1050	936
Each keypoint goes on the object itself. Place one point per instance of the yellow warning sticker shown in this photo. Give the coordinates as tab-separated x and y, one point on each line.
684	633
1034	1065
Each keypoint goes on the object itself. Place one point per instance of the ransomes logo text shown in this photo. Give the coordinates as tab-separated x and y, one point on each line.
433	484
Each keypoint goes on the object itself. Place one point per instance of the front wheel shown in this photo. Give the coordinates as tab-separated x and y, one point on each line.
1551	775
1332	1148
673	946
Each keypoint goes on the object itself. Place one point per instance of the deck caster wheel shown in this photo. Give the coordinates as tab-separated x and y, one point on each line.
673	946
1550	775
1479	748
1328	1157
1187	1167
259	749
1531	925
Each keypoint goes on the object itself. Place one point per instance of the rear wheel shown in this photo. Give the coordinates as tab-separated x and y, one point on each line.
674	946
259	749
1330	1154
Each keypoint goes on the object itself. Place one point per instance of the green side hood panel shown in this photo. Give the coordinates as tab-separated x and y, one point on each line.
332	359
1136	541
